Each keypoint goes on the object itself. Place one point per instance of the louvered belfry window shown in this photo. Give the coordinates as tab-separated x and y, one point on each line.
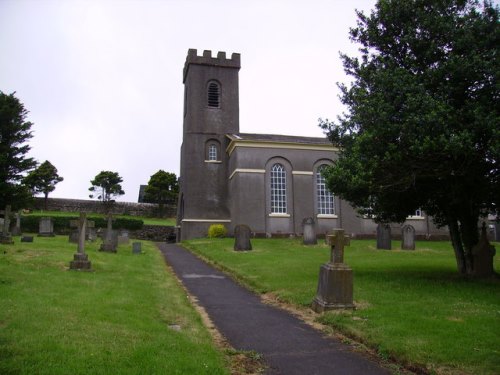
213	95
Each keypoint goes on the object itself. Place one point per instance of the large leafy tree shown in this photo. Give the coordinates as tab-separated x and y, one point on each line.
163	187
43	179
422	123
15	131
106	186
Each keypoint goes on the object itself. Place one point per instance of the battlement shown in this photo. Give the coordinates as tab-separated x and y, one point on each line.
207	59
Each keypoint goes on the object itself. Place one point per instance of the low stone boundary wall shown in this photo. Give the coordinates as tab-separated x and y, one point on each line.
119	208
154	233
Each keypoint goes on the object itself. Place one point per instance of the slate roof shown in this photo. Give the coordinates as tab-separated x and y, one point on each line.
279	138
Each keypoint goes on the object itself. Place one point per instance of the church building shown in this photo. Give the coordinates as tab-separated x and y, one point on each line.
269	182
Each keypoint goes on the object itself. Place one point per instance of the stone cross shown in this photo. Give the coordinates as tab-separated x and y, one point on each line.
338	240
82	223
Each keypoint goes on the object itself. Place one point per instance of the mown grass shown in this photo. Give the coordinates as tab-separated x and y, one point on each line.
146	220
117	319
411	305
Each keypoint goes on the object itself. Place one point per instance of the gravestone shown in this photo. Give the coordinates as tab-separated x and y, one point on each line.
5	236
110	238
27	239
335	282
309	237
242	235
408	238
384	237
482	256
16	231
136	247
80	260
123	238
90	233
46	227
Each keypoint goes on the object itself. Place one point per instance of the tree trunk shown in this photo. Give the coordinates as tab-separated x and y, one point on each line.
46	201
456	242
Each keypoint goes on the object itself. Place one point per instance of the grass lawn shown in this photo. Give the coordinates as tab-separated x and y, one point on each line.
118	319
411	305
146	220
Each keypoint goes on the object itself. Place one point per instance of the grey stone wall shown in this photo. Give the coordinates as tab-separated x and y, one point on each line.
120	208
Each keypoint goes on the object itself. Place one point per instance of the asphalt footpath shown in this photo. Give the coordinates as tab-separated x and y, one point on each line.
288	345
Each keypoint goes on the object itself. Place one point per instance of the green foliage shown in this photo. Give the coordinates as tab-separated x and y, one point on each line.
162	188
410	305
112	321
421	130
15	131
106	186
217	231
43	179
30	223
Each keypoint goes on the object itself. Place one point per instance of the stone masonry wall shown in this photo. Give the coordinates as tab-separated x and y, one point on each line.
120	208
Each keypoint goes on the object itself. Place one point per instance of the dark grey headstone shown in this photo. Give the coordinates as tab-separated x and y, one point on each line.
136	247
482	255
309	237
242	234
27	239
110	242
408	238
384	237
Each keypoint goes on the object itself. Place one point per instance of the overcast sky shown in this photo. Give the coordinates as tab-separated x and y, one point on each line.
102	80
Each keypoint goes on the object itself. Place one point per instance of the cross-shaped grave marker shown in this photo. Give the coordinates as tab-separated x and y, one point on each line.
335	283
80	260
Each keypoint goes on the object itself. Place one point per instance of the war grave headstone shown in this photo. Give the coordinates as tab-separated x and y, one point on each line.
242	234
384	237
123	238
408	238
90	232
5	236
46	227
80	260
309	237
482	255
335	282
136	247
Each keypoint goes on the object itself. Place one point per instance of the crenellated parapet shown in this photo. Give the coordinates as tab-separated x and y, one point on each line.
206	59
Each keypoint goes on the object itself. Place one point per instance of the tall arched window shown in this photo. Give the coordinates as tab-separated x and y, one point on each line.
213	94
326	202
278	189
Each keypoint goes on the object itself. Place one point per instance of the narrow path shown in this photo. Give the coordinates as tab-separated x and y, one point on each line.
288	345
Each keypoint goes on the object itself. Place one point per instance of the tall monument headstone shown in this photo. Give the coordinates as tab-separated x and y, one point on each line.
335	283
242	235
80	259
482	256
309	237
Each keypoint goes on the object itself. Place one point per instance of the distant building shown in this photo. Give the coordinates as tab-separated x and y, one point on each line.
268	182
142	192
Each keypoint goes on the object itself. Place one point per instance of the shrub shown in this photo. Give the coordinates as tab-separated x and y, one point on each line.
217	231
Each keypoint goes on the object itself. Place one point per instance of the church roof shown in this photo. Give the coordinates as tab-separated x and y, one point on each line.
279	138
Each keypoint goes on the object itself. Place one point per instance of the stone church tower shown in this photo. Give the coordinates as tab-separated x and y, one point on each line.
211	110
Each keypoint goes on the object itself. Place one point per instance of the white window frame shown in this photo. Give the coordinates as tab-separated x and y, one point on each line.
325	203
278	189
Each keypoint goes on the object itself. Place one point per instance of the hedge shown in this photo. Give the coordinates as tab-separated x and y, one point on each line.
62	223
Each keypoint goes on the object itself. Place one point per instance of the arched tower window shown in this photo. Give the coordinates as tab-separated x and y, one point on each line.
278	189
212	150
326	201
213	94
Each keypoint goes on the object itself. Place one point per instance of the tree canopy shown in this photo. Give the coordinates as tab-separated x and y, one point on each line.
43	179
15	131
421	128
163	187
106	186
